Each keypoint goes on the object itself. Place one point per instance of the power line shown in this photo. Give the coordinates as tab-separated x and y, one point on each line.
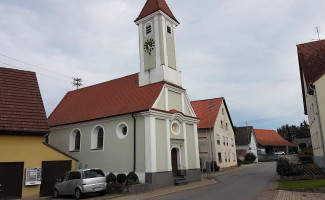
57	98
16	67
15	59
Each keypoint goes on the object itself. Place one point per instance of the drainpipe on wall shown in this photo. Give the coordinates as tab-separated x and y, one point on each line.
313	87
134	143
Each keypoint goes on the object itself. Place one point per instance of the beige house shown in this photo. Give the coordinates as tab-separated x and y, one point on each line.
312	73
216	133
142	122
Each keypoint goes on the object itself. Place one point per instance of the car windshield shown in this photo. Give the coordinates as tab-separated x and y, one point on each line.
93	173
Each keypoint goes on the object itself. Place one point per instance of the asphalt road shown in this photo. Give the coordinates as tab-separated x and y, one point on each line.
242	184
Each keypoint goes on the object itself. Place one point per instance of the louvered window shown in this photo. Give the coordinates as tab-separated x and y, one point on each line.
169	30
148	29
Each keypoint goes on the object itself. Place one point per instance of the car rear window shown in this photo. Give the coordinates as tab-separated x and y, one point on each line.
93	173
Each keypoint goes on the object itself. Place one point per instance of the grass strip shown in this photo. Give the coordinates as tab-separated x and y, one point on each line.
301	184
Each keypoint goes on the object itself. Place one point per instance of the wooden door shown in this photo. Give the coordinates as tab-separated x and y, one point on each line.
11	180
174	162
52	170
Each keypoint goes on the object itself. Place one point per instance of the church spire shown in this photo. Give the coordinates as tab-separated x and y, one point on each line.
152	6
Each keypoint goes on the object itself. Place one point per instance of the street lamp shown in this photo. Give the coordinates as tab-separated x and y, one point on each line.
210	106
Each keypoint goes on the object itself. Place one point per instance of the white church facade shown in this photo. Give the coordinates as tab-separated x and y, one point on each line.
143	122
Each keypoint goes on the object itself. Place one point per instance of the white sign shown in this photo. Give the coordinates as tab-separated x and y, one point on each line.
33	176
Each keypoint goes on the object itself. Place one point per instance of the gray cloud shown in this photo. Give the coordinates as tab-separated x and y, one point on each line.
244	51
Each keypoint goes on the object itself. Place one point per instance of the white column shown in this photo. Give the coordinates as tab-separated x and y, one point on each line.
163	24
185	146
183	103
196	144
174	32
141	48
166	99
150	144
157	46
169	156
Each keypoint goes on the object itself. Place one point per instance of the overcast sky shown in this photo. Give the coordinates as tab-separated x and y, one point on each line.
243	50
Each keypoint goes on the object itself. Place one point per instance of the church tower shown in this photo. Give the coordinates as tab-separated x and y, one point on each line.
158	62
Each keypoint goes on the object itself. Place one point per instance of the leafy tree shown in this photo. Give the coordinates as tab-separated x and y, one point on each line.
291	132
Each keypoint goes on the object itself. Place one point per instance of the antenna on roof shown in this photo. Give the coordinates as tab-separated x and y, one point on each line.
77	82
317	31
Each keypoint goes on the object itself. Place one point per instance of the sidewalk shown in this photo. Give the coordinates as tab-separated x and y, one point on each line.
288	195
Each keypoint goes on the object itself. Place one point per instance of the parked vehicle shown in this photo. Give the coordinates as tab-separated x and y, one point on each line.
80	182
279	153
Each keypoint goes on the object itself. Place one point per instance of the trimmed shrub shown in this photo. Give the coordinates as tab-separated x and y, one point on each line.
250	157
239	162
121	178
132	177
110	178
302	146
216	167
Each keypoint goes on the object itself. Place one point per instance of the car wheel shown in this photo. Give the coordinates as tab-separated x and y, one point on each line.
78	194
56	193
102	193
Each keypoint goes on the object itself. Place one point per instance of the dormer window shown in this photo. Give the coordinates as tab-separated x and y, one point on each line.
148	28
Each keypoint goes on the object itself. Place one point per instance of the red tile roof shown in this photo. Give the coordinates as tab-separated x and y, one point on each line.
21	106
111	98
270	138
201	110
152	6
311	63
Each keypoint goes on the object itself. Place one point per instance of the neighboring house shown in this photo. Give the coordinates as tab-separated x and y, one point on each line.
312	74
28	167
245	141
215	125
297	141
143	122
269	142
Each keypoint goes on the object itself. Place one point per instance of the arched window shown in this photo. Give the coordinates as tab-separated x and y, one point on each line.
169	28
75	141
97	138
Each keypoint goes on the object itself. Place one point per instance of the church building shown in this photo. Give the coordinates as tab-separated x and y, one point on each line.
142	122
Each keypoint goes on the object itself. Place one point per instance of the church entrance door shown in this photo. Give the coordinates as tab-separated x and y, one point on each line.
174	162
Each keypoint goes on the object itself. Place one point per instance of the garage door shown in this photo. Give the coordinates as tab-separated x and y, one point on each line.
52	170
11	180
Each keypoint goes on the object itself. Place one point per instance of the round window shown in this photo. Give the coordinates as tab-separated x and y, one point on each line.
122	130
175	128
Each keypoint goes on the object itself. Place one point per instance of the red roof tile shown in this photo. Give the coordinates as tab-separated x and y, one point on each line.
311	63
21	106
111	98
152	6
202	111
270	138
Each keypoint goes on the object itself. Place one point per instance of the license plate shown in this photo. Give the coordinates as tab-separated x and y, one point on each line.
97	189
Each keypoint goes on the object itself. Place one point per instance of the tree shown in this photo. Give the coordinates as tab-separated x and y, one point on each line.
291	132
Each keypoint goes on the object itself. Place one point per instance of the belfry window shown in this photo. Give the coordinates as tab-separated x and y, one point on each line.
148	28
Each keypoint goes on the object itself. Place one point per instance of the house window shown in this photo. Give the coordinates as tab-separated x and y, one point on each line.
219	157
223	112
75	140
226	126
148	28
224	140
218	139
232	142
97	138
225	156
221	123
227	141
122	130
233	156
228	157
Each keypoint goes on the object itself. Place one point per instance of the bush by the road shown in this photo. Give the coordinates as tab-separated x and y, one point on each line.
250	157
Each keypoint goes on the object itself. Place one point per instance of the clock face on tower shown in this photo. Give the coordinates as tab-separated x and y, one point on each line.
149	45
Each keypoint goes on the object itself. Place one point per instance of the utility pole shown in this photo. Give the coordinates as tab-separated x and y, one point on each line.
210	106
317	30
77	82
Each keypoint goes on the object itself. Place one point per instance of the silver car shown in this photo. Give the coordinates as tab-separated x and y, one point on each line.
80	182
